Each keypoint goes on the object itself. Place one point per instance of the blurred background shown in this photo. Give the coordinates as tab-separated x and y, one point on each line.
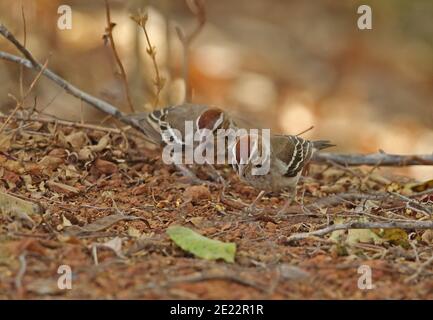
288	64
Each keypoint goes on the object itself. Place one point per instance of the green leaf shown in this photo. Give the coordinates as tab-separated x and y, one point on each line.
362	236
338	235
201	246
397	237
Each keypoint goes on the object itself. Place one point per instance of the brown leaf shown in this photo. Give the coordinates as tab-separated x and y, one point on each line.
58	152
76	140
196	193
141	189
5	142
11	176
105	166
50	163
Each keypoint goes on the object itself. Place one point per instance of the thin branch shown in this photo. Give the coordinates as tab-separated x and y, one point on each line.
421	268
19	104
374	159
67	123
141	20
24	45
363	225
305	131
9	36
197	7
109	35
31	63
69	88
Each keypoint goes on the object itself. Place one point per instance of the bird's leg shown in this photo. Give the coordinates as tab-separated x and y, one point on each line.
252	207
288	203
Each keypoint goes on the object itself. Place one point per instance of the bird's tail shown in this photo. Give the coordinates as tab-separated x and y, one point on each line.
322	144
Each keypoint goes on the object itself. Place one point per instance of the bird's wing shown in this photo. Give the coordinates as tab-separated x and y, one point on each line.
294	151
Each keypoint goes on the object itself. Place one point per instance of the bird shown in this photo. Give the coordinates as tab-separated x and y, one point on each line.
158	125
273	164
167	126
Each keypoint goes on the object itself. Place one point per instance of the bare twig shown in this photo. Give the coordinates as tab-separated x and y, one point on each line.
374	159
342	197
67	123
69	88
24	45
21	271
304	131
420	270
414	205
9	36
109	36
141	20
363	225
197	7
214	274
19	104
31	63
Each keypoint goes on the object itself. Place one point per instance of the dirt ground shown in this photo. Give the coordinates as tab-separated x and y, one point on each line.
106	202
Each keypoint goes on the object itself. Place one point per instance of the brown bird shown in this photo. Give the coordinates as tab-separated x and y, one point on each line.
167	126
273	165
158	125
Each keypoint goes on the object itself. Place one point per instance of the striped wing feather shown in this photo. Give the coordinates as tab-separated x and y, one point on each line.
294	151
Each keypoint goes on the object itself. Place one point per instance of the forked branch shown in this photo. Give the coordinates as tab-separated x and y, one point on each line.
31	63
108	36
197	7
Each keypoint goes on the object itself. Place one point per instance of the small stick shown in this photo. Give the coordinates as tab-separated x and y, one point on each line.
24	44
99	104
374	159
141	20
363	225
197	7
306	130
68	123
419	271
19	104
109	35
21	271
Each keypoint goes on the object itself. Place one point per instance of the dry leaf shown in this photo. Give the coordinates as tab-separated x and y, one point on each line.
195	193
5	142
427	236
105	166
50	163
